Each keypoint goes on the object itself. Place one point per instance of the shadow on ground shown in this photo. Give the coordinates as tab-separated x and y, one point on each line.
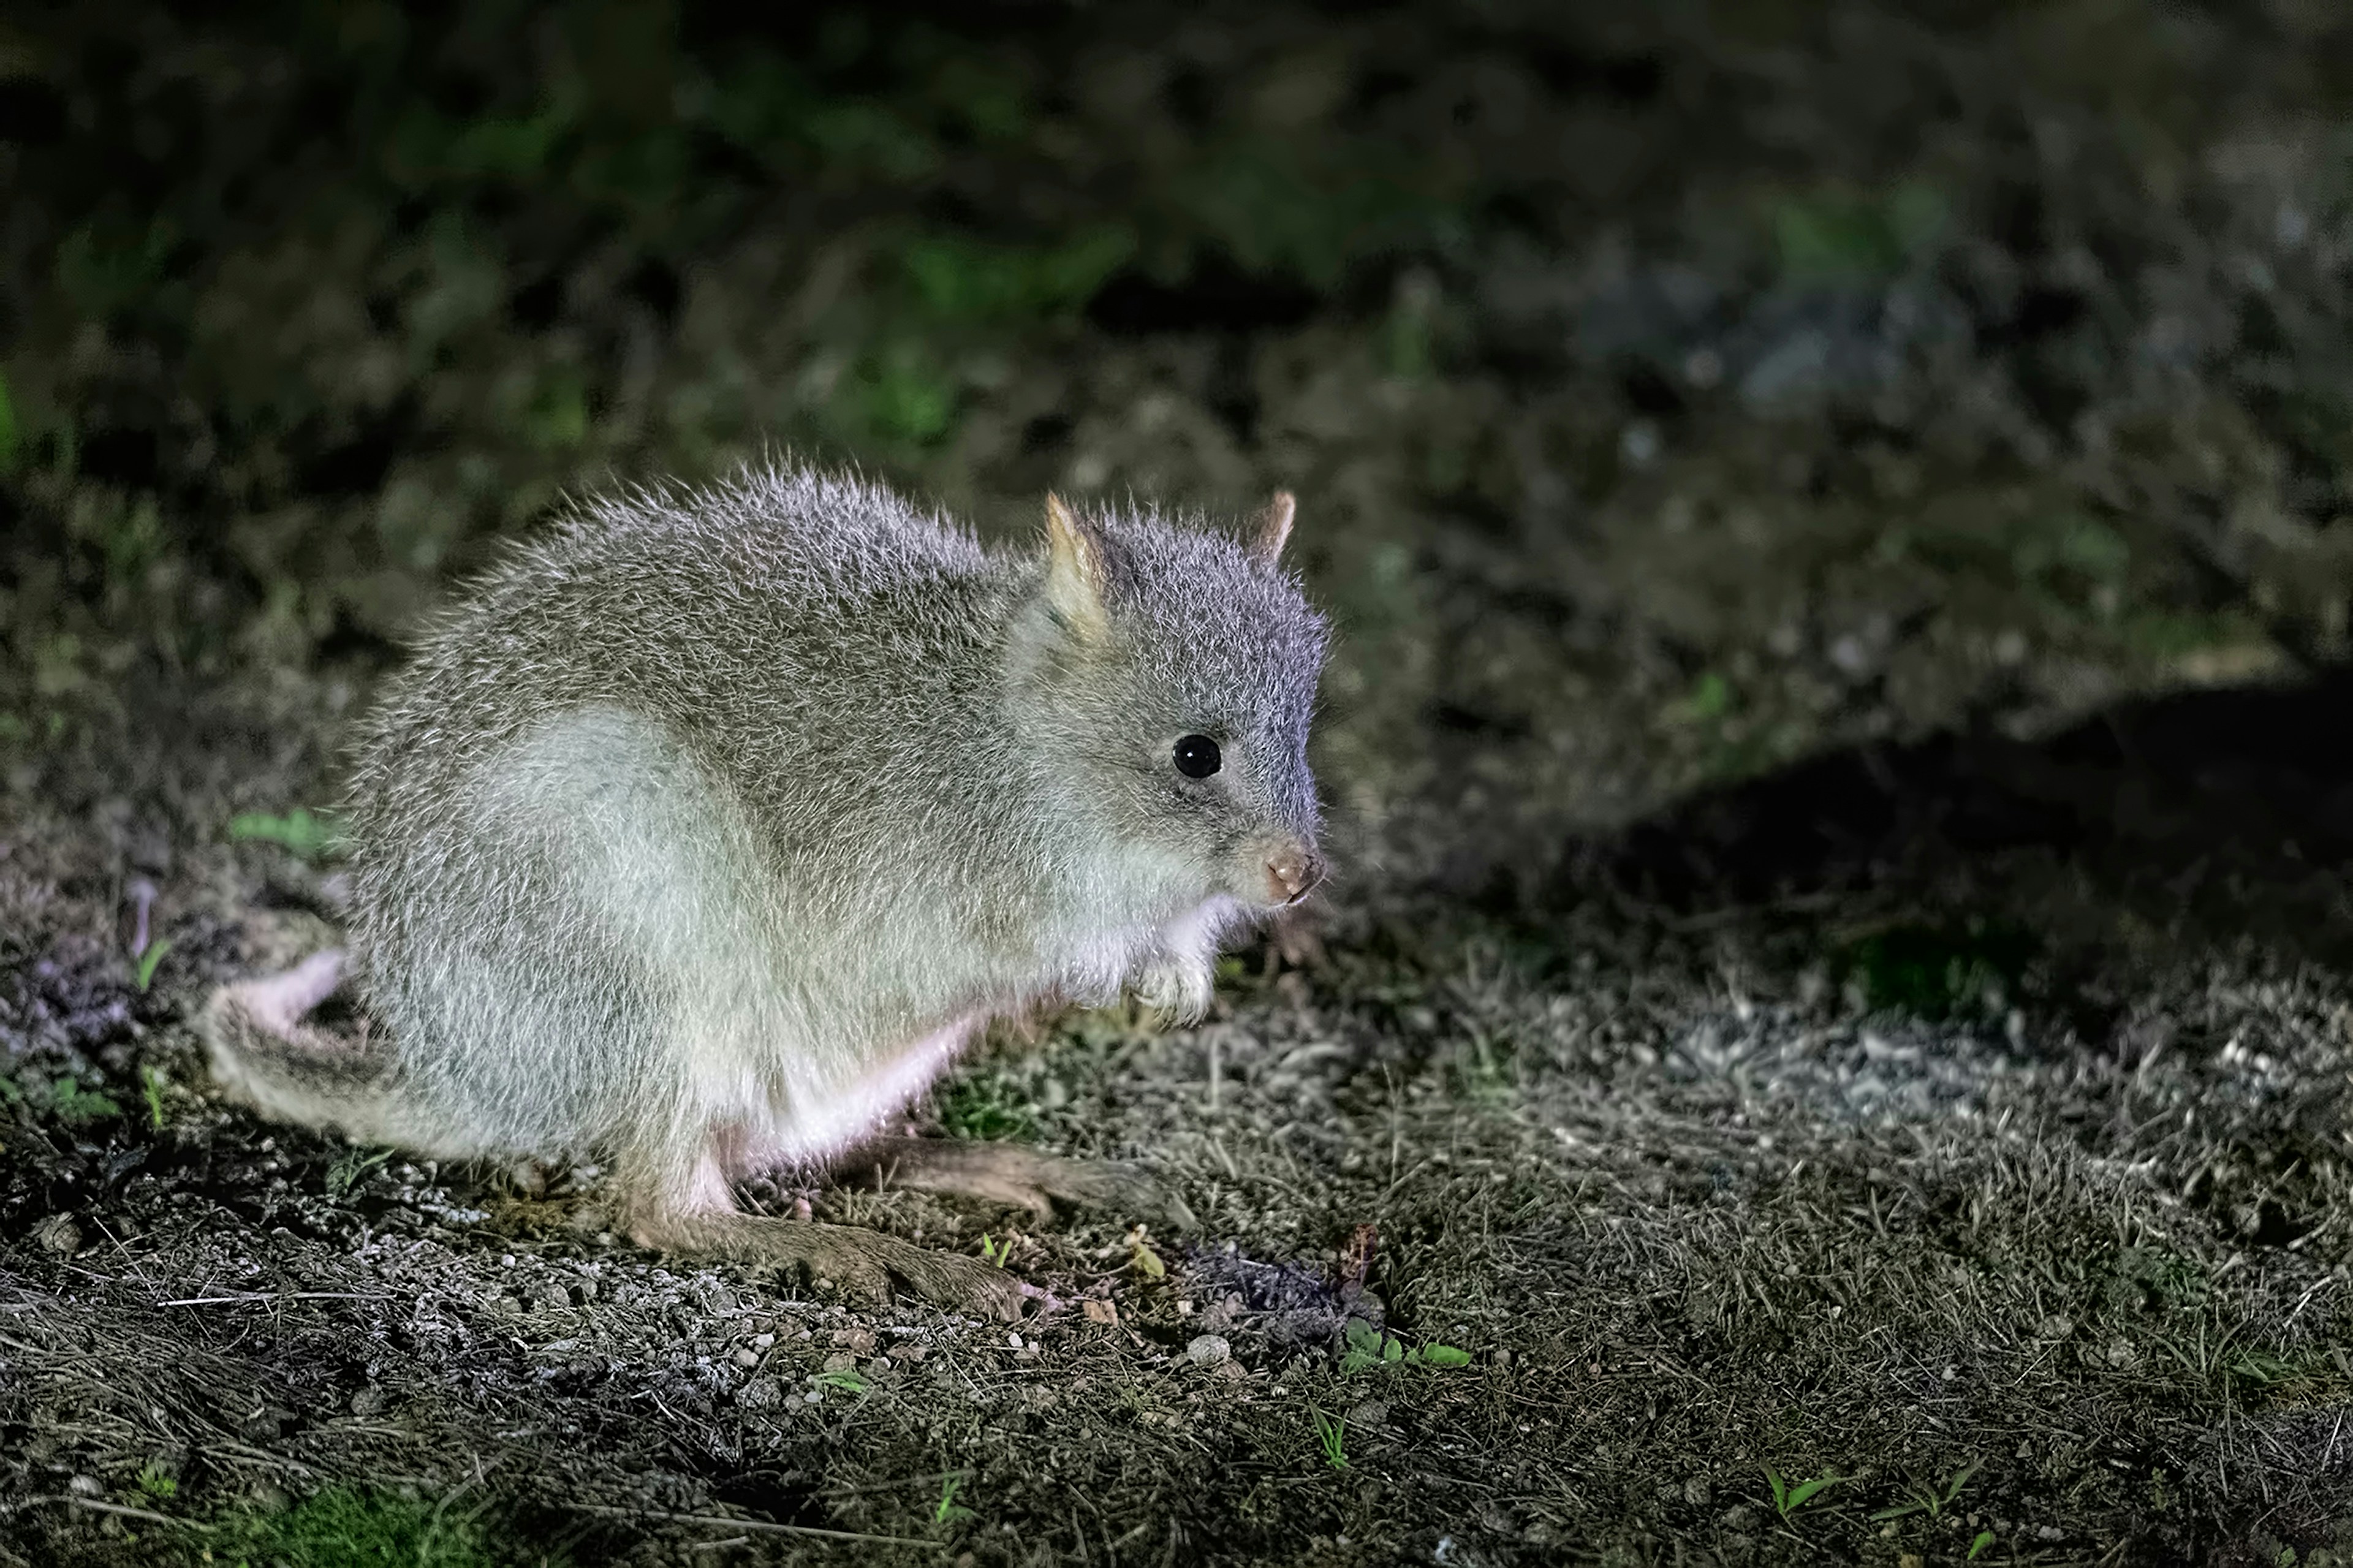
2206	818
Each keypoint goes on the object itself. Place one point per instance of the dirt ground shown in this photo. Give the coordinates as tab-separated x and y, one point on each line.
1837	1011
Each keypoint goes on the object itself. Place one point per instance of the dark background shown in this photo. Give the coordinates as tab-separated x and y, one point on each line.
1836	516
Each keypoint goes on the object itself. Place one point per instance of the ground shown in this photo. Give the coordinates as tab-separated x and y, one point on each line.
1832	1039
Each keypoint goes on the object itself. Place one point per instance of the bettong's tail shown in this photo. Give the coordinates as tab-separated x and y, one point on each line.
265	1053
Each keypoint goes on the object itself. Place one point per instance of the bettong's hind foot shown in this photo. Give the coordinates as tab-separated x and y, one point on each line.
1018	1177
862	1262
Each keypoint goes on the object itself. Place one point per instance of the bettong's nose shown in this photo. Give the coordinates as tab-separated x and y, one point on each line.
1292	872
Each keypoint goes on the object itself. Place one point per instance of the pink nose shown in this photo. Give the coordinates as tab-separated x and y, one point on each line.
1291	872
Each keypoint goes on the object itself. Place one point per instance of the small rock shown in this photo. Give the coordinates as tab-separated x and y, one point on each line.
841	1361
1209	1350
858	1341
57	1235
368	1401
1101	1311
85	1486
761	1393
747	1358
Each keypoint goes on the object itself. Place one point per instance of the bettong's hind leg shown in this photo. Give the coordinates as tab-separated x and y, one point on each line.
1009	1175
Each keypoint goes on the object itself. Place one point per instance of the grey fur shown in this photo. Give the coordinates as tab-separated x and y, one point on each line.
690	821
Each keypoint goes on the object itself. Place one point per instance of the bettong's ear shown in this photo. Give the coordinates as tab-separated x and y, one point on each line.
1271	527
1078	574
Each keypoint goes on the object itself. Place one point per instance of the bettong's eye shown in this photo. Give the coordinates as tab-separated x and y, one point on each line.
1197	756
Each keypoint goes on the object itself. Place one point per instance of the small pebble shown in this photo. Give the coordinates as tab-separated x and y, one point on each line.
57	1235
1209	1350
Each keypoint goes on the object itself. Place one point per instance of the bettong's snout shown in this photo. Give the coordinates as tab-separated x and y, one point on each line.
1292	870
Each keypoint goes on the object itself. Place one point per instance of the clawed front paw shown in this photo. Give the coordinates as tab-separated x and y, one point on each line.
1176	989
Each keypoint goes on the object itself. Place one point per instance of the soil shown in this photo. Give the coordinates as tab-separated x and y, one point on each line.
1842	970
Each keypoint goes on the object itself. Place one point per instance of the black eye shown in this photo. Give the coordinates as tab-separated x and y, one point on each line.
1197	756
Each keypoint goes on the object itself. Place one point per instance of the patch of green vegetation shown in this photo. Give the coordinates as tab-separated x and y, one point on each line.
349	1526
1142	1257
2155	1278
985	1106
1331	1439
1941	971
2075	566
351	1167
557	418
961	278
108	264
1486	1067
1838	234
1931	1498
157	1483
948	1512
1408	340
77	1106
1788	1497
1369	1347
903	399
2169	633
151	1084
1710	698
309	836
143	966
1265	203
847	1381
2076	545
2262	1369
